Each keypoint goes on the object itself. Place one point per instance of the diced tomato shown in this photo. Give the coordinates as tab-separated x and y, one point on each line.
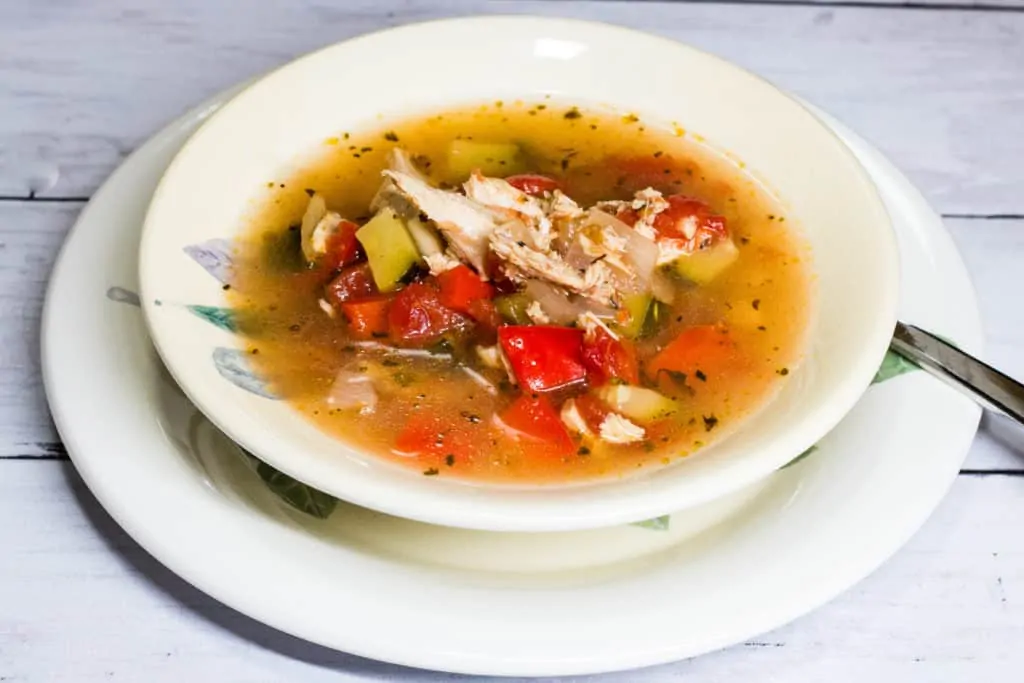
707	348
636	173
486	315
608	358
367	318
342	247
535	418
593	411
354	282
544	357
533	183
418	317
461	287
432	438
672	222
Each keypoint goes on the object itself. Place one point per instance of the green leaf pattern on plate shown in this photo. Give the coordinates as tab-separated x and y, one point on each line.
656	524
221	317
301	497
893	365
234	367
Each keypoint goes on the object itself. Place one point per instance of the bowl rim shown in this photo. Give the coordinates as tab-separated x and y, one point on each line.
482	514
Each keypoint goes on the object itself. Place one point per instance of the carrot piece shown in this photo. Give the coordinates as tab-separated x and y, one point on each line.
367	318
708	349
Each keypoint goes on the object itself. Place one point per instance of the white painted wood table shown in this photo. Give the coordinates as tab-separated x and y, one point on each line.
938	85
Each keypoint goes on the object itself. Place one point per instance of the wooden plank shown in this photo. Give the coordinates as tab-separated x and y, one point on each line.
82	603
938	91
943	5
31	232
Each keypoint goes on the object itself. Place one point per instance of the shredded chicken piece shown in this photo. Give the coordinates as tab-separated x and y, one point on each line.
572	418
318	224
501	197
465	223
617	429
599	284
388	193
671	249
536	313
606	244
323	231
326	307
562	208
589	321
596	282
649	202
439	263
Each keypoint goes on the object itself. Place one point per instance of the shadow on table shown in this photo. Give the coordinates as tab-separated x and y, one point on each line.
225	617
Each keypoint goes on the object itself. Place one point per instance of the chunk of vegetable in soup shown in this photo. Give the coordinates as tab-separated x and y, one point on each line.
522	293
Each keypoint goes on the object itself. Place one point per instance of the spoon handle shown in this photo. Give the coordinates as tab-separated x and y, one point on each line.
988	386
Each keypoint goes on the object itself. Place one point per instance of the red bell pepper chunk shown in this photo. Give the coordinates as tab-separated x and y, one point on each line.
684	212
461	287
670	222
354	282
608	358
708	348
342	248
535	418
418	317
367	318
432	438
533	183
544	357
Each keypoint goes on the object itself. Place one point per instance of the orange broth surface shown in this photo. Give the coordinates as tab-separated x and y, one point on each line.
760	303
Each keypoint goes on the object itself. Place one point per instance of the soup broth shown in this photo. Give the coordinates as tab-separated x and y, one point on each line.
490	370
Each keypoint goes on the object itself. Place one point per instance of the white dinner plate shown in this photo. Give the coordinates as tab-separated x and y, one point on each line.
478	602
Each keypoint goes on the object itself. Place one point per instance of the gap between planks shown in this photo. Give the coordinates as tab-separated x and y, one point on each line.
925	5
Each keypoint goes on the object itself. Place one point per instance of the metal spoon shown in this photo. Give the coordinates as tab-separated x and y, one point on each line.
989	387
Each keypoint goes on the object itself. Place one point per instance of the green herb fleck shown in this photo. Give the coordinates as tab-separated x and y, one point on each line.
391	136
782	371
583	450
756	303
403	379
710	422
656	524
449	459
701	376
432	472
573	113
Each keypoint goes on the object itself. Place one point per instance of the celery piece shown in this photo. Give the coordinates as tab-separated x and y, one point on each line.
490	158
705	265
637	305
427	239
389	248
512	307
637	402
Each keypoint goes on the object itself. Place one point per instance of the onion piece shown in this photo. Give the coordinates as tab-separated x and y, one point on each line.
353	390
662	287
640	250
555	303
